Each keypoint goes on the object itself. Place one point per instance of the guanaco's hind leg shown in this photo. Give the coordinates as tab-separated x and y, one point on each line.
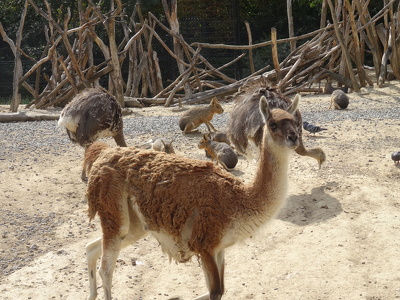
131	230
213	267
111	249
93	252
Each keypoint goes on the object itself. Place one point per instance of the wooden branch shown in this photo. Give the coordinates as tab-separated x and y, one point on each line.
356	86
251	62
259	45
201	58
275	53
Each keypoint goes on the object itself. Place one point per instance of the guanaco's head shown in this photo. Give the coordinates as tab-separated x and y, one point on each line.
216	107
281	124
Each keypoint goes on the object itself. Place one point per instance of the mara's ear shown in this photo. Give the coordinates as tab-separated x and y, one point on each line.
264	109
292	108
162	141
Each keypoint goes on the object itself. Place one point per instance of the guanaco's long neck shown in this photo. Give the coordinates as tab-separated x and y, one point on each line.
269	186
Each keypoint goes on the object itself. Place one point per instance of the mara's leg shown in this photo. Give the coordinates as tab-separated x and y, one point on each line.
208	124
189	127
212	266
93	252
222	164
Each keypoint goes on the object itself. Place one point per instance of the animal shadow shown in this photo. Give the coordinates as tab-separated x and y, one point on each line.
311	208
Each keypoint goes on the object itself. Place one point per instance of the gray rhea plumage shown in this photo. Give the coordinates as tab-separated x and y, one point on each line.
93	114
339	100
396	157
312	128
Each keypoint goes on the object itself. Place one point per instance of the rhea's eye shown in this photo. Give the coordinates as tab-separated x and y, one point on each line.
272	125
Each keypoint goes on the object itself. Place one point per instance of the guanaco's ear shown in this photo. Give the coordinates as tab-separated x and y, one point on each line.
214	101
264	109
292	108
162	141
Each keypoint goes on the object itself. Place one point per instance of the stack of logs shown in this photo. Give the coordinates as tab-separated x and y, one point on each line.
334	52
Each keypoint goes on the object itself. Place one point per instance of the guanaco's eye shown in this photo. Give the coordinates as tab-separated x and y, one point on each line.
273	125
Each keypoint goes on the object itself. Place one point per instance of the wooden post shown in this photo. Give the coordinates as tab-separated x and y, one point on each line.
171	13
356	86
395	43
372	37
18	71
323	14
356	40
290	24
275	57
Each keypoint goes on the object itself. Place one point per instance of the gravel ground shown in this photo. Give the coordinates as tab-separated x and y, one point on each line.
44	136
42	209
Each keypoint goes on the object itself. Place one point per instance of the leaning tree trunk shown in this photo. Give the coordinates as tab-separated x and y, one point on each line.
115	74
16	98
290	23
171	12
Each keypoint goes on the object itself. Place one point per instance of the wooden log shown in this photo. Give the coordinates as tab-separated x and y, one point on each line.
137	101
25	116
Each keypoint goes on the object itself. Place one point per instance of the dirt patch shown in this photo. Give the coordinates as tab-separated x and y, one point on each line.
337	237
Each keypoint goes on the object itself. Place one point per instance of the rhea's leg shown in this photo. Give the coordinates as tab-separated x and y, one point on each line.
208	124
93	252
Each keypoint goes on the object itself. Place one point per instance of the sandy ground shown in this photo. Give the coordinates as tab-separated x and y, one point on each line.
338	237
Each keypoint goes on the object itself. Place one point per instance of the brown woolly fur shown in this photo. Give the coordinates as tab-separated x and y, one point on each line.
110	216
192	207
246	123
194	117
91	154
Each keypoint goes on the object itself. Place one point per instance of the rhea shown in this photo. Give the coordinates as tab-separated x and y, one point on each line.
246	124
93	114
192	207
